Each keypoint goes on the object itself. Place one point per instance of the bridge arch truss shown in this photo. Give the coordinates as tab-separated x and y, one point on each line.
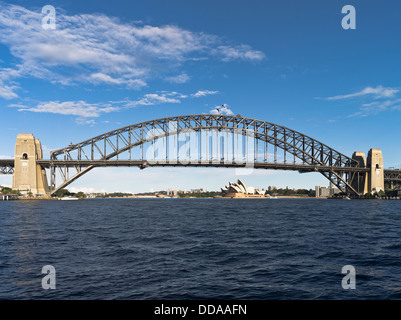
204	140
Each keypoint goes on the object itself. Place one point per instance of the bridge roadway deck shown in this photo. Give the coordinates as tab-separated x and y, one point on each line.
204	163
390	174
7	162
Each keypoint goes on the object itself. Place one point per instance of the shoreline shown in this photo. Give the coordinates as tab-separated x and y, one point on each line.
132	198
215	197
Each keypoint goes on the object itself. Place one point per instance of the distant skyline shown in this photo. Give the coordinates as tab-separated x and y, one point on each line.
289	62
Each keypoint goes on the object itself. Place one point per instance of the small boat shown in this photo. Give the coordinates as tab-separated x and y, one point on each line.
68	198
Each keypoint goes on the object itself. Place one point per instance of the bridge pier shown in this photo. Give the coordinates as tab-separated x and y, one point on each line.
376	174
28	175
372	181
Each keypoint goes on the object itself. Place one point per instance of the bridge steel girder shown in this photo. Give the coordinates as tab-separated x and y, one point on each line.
7	166
392	175
110	145
6	169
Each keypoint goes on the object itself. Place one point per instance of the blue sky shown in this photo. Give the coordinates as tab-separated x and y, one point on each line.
287	62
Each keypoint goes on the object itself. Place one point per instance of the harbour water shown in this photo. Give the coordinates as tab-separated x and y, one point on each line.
200	248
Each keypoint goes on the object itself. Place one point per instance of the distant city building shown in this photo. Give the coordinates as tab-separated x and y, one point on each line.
240	190
324	192
171	192
272	188
95	195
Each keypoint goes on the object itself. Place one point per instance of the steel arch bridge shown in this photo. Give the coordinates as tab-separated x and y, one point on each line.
204	140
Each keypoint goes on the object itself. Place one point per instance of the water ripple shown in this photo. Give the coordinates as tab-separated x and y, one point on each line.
200	249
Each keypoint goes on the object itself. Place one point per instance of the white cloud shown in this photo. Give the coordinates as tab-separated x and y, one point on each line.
81	109
165	97
7	86
377	93
241	52
99	77
171	41
155	98
97	49
223	109
84	121
84	111
203	93
9	73
181	78
7	92
376	107
375	100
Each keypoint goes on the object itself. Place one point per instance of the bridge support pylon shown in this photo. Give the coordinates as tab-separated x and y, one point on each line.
28	175
376	174
373	180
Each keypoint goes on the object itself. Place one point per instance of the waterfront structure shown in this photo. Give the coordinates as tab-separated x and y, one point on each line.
240	190
6	197
210	141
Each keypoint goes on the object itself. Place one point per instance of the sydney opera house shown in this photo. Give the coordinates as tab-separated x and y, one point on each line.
240	190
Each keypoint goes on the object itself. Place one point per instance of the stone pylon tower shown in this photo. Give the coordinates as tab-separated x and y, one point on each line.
376	176
372	181
28	175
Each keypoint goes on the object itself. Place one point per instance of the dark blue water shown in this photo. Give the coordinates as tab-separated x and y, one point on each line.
200	248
